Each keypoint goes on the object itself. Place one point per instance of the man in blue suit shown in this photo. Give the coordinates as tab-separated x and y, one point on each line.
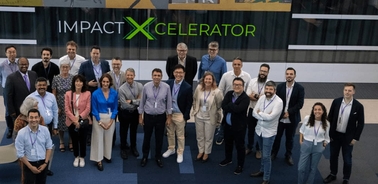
182	99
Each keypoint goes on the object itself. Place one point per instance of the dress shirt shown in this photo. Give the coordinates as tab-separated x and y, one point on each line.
130	92
289	91
27	140
175	91
74	63
47	106
225	84
6	68
270	111
257	88
344	113
217	66
163	99
97	71
309	132
228	116
181	62
102	105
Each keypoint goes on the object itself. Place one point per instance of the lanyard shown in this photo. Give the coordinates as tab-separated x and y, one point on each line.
48	71
342	109
234	99
11	66
31	140
176	89
97	72
316	132
77	98
268	103
258	87
131	91
205	97
43	101
288	93
212	62
156	94
117	80
72	62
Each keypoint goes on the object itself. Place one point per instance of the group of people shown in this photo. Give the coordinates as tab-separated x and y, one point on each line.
86	98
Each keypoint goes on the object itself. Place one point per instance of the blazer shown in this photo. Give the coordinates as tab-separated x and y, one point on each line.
184	97
190	68
238	110
215	101
356	119
84	107
17	91
122	79
295	103
86	69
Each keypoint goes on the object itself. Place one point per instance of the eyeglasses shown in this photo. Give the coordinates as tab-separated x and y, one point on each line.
178	72
237	85
182	50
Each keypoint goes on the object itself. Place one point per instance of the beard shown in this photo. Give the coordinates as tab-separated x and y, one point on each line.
262	80
268	95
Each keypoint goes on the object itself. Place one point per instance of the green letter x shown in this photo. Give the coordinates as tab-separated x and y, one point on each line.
139	28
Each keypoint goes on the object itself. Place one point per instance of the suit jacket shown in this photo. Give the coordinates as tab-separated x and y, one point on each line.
215	101
238	110
295	103
184	97
356	119
17	91
84	106
86	69
122	79
190	68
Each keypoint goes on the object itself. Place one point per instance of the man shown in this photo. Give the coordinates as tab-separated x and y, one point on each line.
117	75
46	68
255	90
189	62
292	95
267	112
235	105
182	99
75	59
226	85
6	68
93	69
129	96
213	63
34	146
155	111
346	117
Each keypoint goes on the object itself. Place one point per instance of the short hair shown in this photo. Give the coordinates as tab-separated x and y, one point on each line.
182	44
82	79
265	65
28	104
157	70
34	110
9	46
106	75
40	79
202	80
65	61
237	58
116	58
271	83
130	70
72	43
214	44
291	68
47	49
349	84
179	66
18	61
238	79
95	47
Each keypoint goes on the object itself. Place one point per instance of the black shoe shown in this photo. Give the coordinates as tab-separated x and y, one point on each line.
49	173
159	162
273	156
225	162
100	167
329	178
345	181
124	154
258	174
143	162
238	170
9	134
108	160
265	182
248	151
135	152
289	161
219	141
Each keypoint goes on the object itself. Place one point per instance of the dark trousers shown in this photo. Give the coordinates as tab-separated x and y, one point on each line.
289	129
237	137
79	140
31	178
8	117
251	125
128	119
339	142
152	122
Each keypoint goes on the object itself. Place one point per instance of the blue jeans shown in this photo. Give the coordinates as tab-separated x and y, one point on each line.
266	148
308	161
339	142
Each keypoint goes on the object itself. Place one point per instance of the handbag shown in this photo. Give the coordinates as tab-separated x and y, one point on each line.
83	122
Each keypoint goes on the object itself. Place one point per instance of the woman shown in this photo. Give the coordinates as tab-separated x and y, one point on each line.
77	108
60	85
104	111
207	102
313	138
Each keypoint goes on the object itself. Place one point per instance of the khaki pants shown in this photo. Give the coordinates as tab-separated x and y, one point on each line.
101	144
176	128
205	135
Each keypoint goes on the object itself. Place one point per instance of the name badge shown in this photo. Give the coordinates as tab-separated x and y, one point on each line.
203	108
48	83
48	112
315	143
109	111
155	104
33	152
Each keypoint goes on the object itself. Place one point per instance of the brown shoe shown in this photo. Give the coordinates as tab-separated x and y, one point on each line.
247	151
258	154
258	174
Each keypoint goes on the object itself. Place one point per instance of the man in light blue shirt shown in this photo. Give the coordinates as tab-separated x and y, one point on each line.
213	63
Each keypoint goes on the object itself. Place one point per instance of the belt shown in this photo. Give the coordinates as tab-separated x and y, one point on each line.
154	115
37	162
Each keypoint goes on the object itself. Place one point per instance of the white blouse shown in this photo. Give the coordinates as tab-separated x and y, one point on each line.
316	132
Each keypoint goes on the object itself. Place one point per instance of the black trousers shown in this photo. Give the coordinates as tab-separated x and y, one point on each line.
128	119
79	140
31	178
289	129
237	137
152	122
251	126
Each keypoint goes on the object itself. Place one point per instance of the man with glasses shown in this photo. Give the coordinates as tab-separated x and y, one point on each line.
213	63
189	62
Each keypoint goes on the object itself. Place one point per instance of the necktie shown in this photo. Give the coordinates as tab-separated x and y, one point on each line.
27	81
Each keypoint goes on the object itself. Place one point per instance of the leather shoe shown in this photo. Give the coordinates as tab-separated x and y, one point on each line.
100	167
345	181
143	162
9	134
108	160
265	182
329	178
159	162
135	152
124	154
289	161
273	156
247	151
258	174
49	173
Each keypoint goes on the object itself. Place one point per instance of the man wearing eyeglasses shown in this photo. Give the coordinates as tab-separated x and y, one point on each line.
189	62
213	63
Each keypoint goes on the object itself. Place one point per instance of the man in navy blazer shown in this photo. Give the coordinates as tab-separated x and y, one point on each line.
189	62
292	95
93	68
182	99
347	120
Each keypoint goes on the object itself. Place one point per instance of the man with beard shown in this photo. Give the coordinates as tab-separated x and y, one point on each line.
292	95
267	112
46	68
254	90
75	59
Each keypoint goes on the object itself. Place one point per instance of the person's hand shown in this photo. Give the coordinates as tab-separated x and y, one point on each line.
35	170
300	142
141	121
128	101
286	115
324	144
353	142
42	167
258	111
92	83
109	124
168	122
55	132
77	125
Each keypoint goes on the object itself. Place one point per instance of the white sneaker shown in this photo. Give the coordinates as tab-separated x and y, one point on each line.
76	162
82	162
180	158
168	153
211	1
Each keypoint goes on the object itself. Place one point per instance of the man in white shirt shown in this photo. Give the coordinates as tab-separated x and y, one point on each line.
267	111
75	59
